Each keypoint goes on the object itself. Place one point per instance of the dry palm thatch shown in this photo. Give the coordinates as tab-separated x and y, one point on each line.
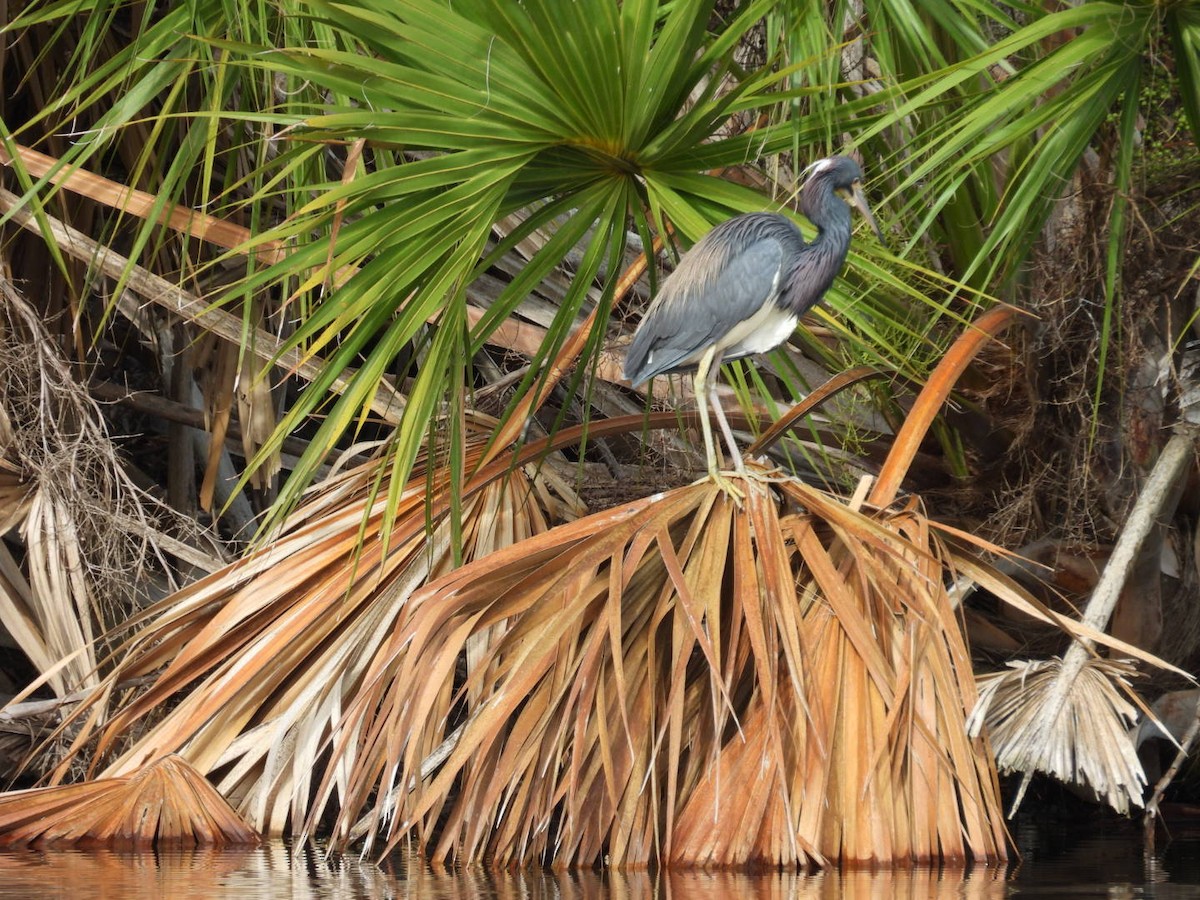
166	803
270	649
684	680
1089	745
681	680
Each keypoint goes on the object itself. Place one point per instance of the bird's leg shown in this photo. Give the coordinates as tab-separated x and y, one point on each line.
701	385
706	371
726	432
739	462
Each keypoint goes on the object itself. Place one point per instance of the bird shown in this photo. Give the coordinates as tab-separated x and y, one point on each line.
742	289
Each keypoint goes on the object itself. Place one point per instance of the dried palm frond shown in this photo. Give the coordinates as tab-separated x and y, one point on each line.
166	803
252	666
14	488
680	680
1070	718
1089	743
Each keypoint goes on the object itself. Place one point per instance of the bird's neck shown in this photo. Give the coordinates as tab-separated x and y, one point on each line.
832	241
816	267
834	219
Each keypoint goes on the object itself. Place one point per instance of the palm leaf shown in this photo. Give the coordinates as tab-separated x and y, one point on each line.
268	650
1071	719
1090	744
166	804
684	680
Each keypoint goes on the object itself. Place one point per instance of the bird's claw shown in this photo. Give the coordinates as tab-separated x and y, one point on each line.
724	482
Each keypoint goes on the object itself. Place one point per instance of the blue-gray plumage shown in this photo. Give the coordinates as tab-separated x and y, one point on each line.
743	287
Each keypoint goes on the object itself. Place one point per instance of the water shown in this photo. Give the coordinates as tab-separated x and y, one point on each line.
1102	866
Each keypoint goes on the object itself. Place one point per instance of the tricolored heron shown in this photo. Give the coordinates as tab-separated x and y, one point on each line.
741	290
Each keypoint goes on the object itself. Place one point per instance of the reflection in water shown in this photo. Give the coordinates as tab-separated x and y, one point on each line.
1099	867
261	872
271	872
979	884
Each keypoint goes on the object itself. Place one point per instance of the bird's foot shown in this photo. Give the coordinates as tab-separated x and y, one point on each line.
733	483
759	473
725	482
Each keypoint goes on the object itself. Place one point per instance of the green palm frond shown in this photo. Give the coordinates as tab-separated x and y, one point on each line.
578	120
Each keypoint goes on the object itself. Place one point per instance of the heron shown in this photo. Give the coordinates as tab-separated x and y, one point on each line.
741	290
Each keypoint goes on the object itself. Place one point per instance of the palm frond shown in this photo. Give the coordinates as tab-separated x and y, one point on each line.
254	663
166	804
679	679
1089	743
1072	722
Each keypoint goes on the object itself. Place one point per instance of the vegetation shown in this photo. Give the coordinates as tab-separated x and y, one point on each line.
374	264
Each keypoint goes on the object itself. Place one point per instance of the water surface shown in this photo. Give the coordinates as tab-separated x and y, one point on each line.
1108	865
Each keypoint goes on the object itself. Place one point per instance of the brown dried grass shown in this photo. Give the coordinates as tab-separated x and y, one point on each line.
90	536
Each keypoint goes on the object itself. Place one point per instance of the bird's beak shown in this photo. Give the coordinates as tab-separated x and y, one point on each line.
858	200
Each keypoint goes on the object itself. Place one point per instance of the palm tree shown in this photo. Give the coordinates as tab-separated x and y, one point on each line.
414	180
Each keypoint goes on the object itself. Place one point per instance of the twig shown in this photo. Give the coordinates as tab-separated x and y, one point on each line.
1150	817
14	712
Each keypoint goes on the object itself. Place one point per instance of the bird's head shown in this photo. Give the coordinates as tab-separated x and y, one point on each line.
837	176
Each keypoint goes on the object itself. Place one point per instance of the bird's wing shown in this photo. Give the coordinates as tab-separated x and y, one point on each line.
710	292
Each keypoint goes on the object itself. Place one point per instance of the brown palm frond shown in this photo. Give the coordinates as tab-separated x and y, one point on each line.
684	680
166	803
269	650
1070	717
251	666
